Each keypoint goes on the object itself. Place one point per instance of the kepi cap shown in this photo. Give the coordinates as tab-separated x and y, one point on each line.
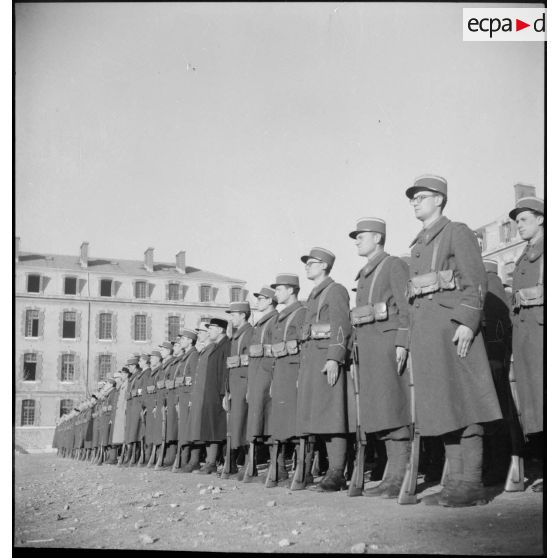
321	254
156	354
132	361
430	182
219	322
238	307
202	327
490	265
166	345
289	279
369	224
145	356
529	203
266	291
190	334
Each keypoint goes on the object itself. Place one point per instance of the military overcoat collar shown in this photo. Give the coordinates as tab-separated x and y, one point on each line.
317	290
240	330
266	317
372	264
187	354
533	251
431	232
167	363
289	310
155	369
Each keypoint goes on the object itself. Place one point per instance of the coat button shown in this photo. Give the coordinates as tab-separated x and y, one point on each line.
417	304
416	271
417	255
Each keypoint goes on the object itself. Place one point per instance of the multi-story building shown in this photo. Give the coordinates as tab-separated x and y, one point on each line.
500	241
79	318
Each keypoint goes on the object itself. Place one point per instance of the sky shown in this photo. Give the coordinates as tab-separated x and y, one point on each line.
247	133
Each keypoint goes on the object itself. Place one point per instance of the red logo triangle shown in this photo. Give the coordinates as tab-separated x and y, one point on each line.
519	25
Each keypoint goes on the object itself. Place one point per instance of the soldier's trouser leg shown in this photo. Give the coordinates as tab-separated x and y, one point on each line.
334	479
194	461
467	490
170	454
398	448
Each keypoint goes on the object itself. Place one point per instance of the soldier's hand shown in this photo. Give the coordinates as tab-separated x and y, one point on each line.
463	337
331	368
400	358
226	402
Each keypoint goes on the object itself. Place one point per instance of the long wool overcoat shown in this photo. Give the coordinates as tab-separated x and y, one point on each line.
237	383
285	373
260	371
119	417
208	421
384	394
133	410
149	403
321	408
172	415
451	392
528	340
161	400
185	377
106	425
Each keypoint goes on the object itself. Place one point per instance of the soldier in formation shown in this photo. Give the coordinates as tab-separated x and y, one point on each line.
430	343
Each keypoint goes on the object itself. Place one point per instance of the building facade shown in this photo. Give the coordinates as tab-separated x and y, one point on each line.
78	319
500	240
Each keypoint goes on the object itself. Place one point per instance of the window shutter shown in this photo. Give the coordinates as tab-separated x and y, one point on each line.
148	328
184	291
150	289
132	327
166	291
23	321
214	291
116	287
44	282
39	367
112	363
80	285
245	294
21	364
41	323
114	316
78	325
19	403
59	367
60	324
37	417
77	366
97	325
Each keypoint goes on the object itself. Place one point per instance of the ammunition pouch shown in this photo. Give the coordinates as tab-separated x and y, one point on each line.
369	313
279	349
134	392
169	384
160	384
179	381
292	347
431	282
256	351
187	380
529	296
233	361
320	331
150	389
267	350
109	407
140	391
244	360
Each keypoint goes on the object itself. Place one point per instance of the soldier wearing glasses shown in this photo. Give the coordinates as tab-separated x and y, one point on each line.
381	332
454	390
322	383
528	319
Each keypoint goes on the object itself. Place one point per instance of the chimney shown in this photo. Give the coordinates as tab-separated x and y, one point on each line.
523	190
181	262
84	254
16	249
148	259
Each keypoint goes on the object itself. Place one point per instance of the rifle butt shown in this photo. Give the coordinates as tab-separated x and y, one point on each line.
356	486
514	480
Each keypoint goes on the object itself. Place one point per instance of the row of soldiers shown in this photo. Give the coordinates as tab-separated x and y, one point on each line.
425	350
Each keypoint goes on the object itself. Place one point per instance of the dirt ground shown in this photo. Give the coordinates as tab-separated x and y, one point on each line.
64	503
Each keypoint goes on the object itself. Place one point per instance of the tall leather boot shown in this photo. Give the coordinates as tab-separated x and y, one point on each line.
334	479
470	490
194	461
401	452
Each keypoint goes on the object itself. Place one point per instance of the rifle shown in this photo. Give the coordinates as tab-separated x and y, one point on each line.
357	478
226	473
273	472
407	494
298	477
142	438
161	457
514	480
251	469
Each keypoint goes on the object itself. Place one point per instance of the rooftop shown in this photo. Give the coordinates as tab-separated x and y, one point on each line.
119	266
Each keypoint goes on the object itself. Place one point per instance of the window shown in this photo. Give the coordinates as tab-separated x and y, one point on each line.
205	293
481	238
32	323
29	367
104	366
66	406
27	412
174	291
70	285
506	232
105	326
68	368
174	327
140	327
236	294
106	287
140	289
33	283
69	325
